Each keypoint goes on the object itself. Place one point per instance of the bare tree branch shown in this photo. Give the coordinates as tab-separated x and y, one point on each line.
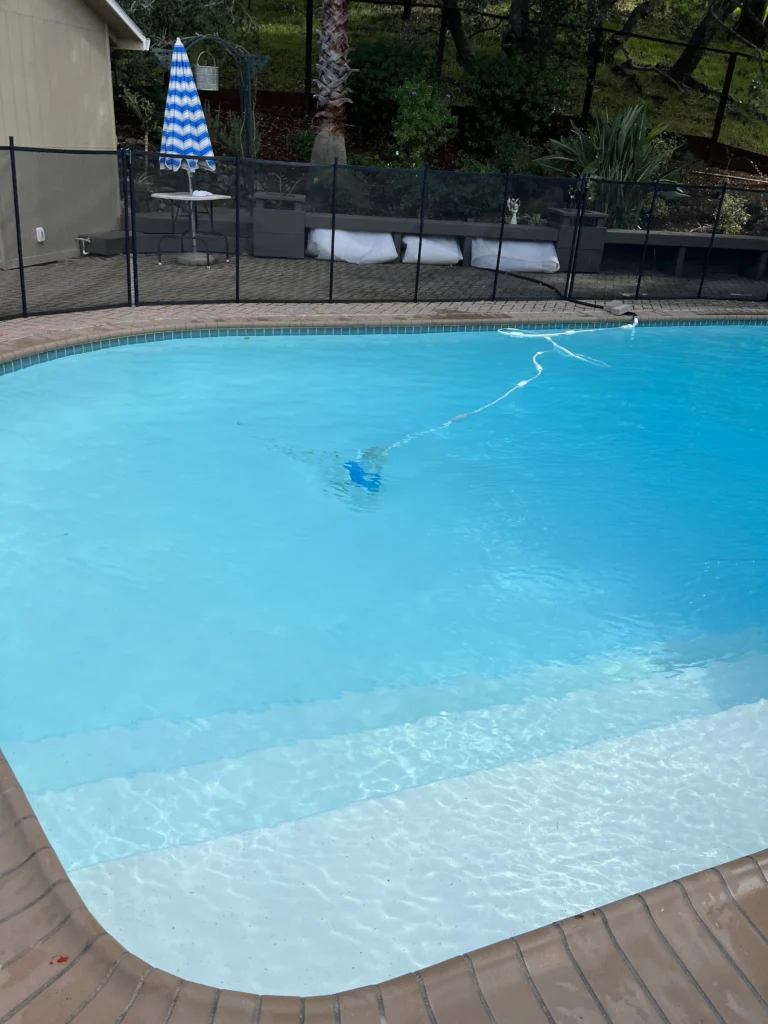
630	64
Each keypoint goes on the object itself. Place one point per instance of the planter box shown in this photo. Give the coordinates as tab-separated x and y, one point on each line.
278	233
751	251
591	239
591	219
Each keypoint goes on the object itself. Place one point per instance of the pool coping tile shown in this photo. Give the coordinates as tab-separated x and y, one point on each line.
43	350
565	968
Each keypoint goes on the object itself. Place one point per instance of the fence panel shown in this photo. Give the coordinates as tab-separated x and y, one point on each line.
679	241
613	240
70	213
383	202
10	284
738	261
453	205
184	250
276	200
546	213
269	235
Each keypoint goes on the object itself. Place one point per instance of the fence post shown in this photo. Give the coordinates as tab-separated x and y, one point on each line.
501	234
333	229
134	246
577	232
126	228
645	240
237	227
730	67
593	58
19	248
421	231
711	241
569	269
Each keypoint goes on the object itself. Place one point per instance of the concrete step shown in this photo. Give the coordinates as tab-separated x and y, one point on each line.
112	243
292	761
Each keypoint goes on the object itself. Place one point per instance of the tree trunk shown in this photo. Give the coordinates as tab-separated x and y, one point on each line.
518	28
465	54
333	70
751	23
635	16
702	35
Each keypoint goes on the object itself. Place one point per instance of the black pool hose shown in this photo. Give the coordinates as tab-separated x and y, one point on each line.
567	298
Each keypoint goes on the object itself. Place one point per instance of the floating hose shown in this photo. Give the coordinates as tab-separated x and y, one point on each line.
370	480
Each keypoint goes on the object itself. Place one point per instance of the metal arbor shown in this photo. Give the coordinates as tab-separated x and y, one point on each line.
248	66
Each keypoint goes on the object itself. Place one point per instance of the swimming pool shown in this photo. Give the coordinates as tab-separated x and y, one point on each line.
313	679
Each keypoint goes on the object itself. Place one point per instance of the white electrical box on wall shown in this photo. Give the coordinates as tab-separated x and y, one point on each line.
40	234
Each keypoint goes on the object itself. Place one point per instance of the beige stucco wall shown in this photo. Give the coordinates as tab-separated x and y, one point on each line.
67	194
55	83
56	92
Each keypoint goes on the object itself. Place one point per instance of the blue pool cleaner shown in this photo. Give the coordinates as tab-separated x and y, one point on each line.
360	477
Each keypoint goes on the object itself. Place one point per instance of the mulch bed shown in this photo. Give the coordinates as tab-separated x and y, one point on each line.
274	127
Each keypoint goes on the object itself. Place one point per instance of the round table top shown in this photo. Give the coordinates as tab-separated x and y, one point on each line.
187	197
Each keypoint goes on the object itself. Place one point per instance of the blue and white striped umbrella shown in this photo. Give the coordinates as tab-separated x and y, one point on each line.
185	133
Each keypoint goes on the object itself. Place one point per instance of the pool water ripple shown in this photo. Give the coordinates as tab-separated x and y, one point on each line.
227	659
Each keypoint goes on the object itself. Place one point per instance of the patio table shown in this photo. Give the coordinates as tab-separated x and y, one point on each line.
194	201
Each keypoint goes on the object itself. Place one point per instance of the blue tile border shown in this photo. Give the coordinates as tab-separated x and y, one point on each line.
22	362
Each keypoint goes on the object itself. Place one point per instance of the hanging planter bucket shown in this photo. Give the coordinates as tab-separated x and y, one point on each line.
206	75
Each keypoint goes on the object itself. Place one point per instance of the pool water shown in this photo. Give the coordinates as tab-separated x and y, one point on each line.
313	680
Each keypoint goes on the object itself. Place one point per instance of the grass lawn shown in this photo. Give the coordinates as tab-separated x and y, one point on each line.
281	36
692	112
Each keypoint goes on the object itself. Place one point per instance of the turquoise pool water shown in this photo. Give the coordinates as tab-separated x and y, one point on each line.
231	600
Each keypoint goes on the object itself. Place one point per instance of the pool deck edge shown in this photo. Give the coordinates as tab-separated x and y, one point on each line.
693	949
25	337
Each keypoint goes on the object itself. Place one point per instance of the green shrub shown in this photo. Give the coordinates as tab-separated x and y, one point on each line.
509	152
618	149
533	219
227	131
512	94
453	196
672	148
733	215
300	144
476	165
424	121
380	70
364	191
367	160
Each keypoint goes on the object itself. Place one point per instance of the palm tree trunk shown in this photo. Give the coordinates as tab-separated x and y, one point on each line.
333	70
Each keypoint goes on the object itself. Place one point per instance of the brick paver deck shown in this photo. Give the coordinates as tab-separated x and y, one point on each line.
102	281
693	951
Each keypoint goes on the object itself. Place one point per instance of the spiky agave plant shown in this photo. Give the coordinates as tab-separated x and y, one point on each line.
614	151
333	71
